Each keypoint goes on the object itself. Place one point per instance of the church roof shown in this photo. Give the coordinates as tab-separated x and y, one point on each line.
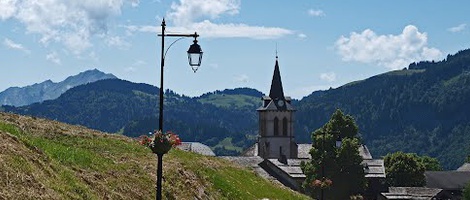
276	91
276	101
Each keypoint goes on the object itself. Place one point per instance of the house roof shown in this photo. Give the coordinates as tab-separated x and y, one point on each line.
196	147
304	151
465	167
411	193
448	180
376	168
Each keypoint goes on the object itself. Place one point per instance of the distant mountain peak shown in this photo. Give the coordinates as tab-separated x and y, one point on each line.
47	90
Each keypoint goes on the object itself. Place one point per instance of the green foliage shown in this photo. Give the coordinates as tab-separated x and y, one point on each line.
466	192
58	161
227	181
340	165
468	159
131	108
422	109
404	170
430	164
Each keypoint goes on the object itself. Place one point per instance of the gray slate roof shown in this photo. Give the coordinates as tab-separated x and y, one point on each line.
376	168
465	167
196	147
447	180
411	193
303	151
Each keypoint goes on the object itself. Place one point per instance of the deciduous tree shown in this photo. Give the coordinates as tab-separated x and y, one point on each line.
337	171
404	170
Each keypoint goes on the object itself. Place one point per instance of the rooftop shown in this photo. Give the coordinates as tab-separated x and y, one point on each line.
448	180
411	193
196	147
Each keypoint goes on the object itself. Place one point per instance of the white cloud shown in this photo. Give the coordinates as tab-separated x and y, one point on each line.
139	63
316	13
188	11
71	23
130	69
458	28
391	51
328	76
53	57
302	36
7	8
135	3
242	78
12	45
194	15
116	41
211	30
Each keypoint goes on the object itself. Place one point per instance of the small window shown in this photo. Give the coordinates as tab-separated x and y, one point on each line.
284	126
276	126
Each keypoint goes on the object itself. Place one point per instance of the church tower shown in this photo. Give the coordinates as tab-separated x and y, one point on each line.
276	122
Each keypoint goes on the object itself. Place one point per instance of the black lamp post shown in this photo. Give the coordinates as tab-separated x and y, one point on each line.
194	58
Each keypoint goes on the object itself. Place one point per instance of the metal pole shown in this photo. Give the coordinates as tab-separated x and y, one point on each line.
160	122
323	165
159	176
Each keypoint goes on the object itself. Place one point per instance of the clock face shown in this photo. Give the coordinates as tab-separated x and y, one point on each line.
280	103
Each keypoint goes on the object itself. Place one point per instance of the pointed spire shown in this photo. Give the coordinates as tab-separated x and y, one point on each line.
276	91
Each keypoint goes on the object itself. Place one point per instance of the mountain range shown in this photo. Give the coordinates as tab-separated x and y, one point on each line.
421	109
39	92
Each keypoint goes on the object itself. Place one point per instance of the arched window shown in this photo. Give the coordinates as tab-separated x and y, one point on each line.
276	126
284	126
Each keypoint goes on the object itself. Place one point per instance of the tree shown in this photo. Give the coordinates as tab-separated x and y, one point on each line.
430	164
466	192
335	171
404	170
468	159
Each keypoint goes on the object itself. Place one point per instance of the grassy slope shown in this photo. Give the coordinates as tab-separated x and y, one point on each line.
44	159
231	101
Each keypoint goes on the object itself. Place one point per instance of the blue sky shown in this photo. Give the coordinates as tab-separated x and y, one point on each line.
320	43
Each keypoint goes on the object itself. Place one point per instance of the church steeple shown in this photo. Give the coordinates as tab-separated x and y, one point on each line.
276	92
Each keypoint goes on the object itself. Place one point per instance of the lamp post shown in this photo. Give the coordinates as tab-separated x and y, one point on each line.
194	58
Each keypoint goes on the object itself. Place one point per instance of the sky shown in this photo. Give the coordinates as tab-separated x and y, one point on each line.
320	43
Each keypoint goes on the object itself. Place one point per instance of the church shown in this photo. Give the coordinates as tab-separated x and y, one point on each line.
276	155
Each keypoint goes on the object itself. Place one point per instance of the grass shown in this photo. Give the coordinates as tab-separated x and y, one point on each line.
229	181
43	159
231	101
227	144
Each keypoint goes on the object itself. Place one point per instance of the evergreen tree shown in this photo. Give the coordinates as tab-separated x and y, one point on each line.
404	170
335	172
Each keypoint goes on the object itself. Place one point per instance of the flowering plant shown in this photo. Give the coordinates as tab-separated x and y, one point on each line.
160	143
325	183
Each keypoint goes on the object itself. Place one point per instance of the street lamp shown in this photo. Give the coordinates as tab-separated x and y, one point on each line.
194	59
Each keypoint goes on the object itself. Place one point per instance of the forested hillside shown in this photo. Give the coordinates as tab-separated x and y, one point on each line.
129	108
421	109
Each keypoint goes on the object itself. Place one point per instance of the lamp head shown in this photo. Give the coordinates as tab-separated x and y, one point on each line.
195	55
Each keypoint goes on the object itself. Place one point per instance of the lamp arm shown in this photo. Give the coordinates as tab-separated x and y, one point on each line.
164	56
